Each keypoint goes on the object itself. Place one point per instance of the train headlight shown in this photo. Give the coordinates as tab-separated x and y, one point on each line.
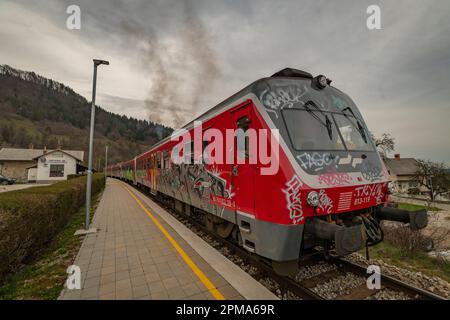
313	199
321	81
390	187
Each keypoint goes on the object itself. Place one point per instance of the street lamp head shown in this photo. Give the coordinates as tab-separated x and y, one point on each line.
99	62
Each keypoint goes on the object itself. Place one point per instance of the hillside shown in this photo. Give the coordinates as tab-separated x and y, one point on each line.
42	112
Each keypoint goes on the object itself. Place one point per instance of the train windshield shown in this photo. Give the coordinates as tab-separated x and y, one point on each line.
313	119
307	132
311	129
354	135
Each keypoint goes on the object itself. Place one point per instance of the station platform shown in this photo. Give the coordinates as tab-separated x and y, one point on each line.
142	252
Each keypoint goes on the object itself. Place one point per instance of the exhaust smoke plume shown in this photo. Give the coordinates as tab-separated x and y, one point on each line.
181	70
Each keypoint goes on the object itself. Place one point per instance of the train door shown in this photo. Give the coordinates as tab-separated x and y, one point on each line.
243	173
153	171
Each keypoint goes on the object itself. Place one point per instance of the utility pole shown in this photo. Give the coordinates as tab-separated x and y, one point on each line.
91	147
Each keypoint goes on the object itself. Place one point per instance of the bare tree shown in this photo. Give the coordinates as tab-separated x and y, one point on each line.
384	144
434	176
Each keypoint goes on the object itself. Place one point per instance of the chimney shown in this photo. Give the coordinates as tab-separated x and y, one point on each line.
30	146
397	156
45	149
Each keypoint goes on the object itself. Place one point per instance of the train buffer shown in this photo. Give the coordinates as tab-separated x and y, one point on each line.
142	252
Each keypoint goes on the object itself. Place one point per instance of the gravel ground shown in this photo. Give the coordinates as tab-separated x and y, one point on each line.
417	279
338	286
388	294
308	272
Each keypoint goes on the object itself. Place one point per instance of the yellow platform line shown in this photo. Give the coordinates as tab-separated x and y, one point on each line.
199	273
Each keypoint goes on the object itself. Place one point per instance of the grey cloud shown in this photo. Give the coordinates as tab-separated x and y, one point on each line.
398	75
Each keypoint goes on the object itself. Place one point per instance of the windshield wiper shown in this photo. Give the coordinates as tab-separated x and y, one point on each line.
358	126
327	122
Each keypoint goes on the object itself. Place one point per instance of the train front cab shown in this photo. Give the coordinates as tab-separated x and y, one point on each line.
335	184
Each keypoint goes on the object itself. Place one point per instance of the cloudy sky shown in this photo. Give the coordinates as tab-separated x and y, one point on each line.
191	55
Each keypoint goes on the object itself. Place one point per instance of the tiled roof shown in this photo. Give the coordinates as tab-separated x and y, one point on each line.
402	166
13	154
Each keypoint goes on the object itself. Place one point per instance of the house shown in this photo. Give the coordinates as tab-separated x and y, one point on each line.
54	166
402	172
14	162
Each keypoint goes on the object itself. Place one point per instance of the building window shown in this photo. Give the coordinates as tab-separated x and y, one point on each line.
56	170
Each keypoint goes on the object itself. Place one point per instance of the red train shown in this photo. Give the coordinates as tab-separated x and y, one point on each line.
324	189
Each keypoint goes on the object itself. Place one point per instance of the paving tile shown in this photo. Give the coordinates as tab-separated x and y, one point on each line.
140	291
198	296
122	275
156	286
135	272
123	285
191	289
162	295
122	267
138	281
90	293
108	296
171	283
151	277
105	279
176	293
72	294
107	288
91	282
126	294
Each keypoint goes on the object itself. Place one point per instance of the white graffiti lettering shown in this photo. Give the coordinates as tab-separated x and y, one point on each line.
366	193
293	201
283	97
316	161
325	203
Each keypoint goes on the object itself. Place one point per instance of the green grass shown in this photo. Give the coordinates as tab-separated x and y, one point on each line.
414	207
44	277
418	262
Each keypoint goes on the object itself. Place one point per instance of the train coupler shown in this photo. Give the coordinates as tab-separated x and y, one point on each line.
346	239
417	219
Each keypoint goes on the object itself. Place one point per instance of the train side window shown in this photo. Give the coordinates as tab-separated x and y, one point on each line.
166	159
243	145
158	160
205	158
175	154
188	152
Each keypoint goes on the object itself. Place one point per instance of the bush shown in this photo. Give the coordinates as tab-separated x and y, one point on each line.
74	176
408	241
414	191
30	218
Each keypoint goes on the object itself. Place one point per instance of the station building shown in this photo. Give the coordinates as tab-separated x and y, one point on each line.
40	165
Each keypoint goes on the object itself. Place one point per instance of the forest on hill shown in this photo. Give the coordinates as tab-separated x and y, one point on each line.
36	111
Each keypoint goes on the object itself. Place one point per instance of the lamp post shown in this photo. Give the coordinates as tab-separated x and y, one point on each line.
106	162
91	144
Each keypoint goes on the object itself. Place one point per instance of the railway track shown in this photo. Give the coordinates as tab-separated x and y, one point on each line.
312	286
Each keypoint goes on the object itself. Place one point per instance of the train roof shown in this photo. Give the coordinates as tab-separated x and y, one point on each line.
287	73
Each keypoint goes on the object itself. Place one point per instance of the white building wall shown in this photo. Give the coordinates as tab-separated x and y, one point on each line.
32	174
56	158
